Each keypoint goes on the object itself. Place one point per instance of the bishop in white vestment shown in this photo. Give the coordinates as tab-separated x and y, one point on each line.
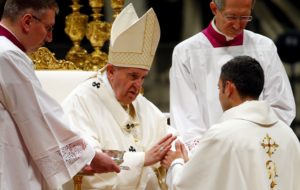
110	110
94	109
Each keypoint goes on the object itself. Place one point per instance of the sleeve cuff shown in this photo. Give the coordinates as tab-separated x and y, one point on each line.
178	161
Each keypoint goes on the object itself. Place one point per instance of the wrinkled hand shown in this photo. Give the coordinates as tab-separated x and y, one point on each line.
180	152
158	151
101	163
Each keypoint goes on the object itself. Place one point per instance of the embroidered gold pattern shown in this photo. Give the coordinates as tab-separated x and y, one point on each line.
270	147
131	127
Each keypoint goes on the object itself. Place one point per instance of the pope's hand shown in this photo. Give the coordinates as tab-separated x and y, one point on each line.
102	163
158	151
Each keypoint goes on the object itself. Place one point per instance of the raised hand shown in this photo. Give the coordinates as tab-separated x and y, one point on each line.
158	151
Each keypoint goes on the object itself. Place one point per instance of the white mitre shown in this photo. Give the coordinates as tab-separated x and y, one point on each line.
134	40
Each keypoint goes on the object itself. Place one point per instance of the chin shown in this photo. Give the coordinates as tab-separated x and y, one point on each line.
131	99
237	33
128	100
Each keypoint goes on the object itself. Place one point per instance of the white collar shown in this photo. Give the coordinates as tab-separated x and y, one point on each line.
217	30
254	111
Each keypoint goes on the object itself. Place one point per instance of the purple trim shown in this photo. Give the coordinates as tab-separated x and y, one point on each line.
11	37
218	40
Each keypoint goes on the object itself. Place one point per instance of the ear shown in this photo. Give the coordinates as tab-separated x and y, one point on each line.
229	88
26	21
213	7
110	70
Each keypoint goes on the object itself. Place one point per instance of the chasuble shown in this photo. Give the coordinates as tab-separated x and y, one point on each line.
249	149
93	108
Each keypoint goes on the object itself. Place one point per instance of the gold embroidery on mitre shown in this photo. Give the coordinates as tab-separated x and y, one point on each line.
270	148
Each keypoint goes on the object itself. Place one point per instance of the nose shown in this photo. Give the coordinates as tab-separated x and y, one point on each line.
237	24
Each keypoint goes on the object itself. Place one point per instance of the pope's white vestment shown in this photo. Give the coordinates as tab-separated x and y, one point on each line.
196	66
36	143
249	149
93	108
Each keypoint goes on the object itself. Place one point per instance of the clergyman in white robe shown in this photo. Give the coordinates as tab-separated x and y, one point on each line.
249	149
36	142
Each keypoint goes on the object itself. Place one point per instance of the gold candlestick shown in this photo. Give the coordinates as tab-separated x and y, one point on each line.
97	33
117	6
77	182
76	28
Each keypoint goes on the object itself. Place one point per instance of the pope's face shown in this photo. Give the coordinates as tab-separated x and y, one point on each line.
230	21
126	82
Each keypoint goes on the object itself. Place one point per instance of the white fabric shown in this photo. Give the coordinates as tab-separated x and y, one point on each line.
93	108
142	34
124	20
194	103
59	83
230	155
35	140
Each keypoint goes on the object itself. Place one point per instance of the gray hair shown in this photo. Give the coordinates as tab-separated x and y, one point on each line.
15	8
221	4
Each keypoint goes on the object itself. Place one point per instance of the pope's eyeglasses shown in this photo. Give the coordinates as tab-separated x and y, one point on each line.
49	28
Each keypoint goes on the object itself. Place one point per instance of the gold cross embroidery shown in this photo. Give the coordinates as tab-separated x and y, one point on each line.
269	145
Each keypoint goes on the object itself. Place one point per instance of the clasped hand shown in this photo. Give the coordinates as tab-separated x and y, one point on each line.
180	152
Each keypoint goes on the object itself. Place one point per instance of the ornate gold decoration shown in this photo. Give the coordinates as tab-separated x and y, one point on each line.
44	59
117	6
97	33
270	147
272	173
77	179
75	28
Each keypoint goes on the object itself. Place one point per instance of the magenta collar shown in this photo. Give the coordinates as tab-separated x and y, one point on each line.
218	40
11	37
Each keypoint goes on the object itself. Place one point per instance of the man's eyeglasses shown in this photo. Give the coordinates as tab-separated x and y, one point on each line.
49	28
232	18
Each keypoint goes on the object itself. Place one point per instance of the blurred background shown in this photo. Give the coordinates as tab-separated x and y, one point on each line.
180	19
